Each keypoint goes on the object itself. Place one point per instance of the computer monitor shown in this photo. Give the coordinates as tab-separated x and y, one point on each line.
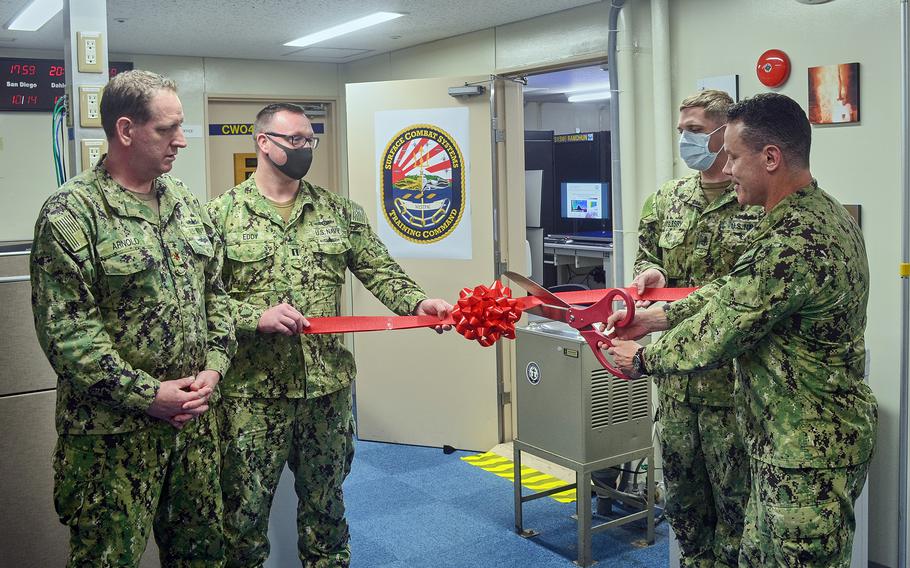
584	209
584	202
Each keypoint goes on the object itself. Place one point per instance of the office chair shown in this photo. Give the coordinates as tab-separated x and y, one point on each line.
568	288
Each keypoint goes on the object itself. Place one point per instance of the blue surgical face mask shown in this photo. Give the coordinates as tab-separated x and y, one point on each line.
693	149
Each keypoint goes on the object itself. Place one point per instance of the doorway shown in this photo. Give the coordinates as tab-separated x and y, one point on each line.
232	150
568	178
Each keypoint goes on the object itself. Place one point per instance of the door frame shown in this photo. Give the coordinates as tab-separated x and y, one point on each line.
509	418
264	99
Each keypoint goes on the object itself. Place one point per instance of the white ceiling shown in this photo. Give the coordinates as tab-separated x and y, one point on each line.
554	87
256	29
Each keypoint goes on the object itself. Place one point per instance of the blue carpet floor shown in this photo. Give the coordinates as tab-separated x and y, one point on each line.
415	507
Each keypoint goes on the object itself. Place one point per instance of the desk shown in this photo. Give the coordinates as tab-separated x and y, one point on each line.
578	255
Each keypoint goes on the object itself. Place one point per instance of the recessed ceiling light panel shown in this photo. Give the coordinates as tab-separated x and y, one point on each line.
345	28
35	15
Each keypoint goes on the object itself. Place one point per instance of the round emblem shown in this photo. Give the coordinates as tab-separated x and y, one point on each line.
532	371
423	183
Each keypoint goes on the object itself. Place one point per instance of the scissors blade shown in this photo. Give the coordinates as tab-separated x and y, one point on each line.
536	290
557	313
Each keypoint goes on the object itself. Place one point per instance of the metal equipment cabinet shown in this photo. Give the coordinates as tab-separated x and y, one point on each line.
30	534
572	412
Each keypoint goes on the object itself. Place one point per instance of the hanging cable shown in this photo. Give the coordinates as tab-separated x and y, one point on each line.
54	144
62	147
57	129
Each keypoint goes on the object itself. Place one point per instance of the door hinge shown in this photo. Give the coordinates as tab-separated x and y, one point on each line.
500	135
506	398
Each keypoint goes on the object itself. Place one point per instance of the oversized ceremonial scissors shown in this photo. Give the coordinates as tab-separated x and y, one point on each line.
581	318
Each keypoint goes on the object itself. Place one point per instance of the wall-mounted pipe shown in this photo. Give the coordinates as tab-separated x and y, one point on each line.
619	278
905	287
663	117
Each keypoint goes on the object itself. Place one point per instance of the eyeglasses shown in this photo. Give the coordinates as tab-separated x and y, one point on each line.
297	141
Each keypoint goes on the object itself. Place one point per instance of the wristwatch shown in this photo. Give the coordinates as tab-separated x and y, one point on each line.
638	362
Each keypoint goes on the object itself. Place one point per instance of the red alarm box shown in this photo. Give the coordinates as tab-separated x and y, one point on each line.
773	68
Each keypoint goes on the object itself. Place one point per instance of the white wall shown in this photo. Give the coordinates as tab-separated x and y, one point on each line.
567	118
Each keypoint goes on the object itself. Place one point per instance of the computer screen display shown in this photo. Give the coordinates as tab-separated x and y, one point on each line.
584	200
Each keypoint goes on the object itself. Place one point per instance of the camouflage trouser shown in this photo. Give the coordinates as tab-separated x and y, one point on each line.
706	472
801	517
112	489
315	438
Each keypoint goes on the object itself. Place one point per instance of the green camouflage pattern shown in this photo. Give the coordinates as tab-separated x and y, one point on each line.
706	471
705	466
792	313
303	263
801	517
692	242
112	489
315	437
123	300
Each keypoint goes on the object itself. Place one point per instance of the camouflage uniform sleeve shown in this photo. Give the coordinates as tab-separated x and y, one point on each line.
763	288
648	234
221	341
691	304
371	263
68	322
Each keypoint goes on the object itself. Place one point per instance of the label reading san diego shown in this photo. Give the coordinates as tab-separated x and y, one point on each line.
423	183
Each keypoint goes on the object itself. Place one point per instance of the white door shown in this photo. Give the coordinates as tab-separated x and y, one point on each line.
414	386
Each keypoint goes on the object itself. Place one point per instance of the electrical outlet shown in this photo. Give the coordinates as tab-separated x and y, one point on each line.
90	107
92	150
89	49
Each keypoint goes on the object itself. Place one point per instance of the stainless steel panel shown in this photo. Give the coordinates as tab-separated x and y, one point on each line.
30	533
574	408
23	366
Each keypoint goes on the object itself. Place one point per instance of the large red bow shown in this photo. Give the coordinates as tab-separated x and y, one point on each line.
486	314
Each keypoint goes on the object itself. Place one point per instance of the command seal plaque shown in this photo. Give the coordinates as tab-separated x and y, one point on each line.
423	186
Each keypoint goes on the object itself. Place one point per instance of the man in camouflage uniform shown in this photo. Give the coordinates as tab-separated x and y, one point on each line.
792	312
691	232
131	313
287	398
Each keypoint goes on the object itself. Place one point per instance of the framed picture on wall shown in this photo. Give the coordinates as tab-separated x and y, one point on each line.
834	93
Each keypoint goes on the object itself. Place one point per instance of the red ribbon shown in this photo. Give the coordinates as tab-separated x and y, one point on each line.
482	314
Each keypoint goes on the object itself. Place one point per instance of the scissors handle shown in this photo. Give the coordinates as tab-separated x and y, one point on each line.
594	338
601	311
584	321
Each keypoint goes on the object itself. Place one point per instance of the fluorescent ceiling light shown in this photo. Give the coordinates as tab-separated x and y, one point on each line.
35	15
590	97
345	28
587	88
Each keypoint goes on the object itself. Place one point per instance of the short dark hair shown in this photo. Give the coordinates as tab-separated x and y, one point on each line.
772	118
129	94
264	117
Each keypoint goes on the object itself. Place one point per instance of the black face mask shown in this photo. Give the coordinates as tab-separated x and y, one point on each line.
298	162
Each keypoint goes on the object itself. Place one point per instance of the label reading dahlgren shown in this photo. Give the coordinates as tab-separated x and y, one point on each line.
570	352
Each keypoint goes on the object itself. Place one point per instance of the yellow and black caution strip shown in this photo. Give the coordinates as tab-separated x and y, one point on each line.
530	478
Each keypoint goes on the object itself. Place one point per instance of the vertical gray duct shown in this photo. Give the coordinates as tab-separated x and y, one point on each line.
905	286
619	278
